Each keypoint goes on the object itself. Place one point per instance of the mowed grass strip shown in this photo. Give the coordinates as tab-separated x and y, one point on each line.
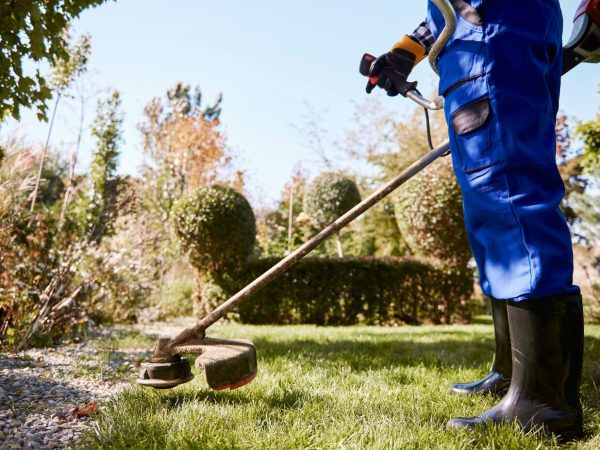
336	388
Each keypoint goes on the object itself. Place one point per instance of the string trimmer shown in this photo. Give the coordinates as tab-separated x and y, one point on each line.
232	363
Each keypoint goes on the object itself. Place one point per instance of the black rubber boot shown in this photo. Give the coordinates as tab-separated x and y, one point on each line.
547	351
498	380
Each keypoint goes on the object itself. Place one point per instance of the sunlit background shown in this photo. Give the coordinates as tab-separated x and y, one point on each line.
278	64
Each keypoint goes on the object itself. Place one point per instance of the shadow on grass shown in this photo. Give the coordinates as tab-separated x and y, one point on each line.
447	354
364	356
456	349
283	399
178	398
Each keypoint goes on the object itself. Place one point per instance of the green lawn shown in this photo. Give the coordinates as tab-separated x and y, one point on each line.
342	388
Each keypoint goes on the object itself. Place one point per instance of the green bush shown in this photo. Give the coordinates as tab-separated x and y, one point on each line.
328	197
591	304
176	301
333	291
215	226
429	212
211	291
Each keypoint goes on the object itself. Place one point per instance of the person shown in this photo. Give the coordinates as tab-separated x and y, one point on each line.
500	79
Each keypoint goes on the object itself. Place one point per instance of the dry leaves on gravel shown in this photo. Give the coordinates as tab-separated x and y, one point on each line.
85	411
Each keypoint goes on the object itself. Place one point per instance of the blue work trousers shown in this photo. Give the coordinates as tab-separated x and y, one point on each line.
500	77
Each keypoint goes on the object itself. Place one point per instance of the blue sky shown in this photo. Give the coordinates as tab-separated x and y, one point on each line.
269	59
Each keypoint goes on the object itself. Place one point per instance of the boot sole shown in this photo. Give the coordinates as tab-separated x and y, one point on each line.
569	434
564	435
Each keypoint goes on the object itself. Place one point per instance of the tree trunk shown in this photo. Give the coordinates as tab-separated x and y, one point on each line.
43	158
72	165
290	220
338	243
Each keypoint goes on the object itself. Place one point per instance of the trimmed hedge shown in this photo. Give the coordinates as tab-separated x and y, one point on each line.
333	291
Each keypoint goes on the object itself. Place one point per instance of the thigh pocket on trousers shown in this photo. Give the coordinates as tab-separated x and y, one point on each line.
473	126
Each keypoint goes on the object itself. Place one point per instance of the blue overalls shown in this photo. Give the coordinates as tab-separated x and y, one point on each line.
500	77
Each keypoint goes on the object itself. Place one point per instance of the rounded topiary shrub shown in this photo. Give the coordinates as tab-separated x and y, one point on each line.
215	226
429	212
328	197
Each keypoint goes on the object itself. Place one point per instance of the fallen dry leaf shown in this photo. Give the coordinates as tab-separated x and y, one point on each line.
85	411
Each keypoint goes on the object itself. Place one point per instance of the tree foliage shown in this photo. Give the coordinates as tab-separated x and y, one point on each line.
589	132
273	233
427	209
67	69
216	228
185	150
377	233
386	144
185	145
390	143
579	166
55	275
584	203
328	197
430	214
100	202
36	31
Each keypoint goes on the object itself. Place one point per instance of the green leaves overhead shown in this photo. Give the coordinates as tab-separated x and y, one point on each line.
34	31
67	69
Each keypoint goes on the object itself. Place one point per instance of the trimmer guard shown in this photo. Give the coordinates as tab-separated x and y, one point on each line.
227	364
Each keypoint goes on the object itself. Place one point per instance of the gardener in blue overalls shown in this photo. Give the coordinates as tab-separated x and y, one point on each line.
500	78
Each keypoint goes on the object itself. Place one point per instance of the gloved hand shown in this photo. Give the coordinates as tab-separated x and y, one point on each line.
393	68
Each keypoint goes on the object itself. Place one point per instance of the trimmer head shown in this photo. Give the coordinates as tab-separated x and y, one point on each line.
227	364
165	372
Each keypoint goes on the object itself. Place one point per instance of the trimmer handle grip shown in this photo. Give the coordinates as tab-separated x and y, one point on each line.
365	67
405	88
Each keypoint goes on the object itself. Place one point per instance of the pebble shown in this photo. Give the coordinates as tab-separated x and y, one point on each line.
40	387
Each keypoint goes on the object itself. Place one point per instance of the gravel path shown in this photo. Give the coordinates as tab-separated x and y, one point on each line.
48	395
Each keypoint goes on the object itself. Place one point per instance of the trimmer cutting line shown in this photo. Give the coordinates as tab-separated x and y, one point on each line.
230	364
